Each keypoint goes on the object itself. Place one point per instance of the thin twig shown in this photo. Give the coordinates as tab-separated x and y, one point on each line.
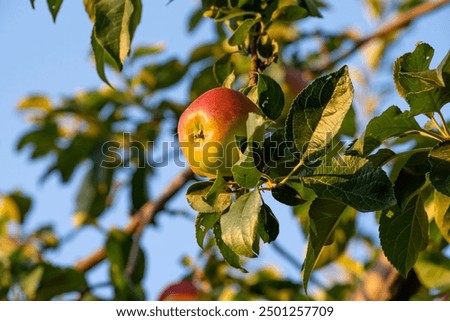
255	62
396	24
138	222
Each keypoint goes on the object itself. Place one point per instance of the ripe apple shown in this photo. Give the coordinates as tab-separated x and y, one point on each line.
207	130
180	291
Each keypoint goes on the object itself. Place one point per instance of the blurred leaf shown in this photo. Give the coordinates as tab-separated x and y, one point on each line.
47	237
441	211
392	122
270	97
139	190
53	6
287	195
32	3
195	19
162	75
404	233
145	51
289	13
118	251
239	35
324	217
14	206
317	113
30	283
425	90
203	223
268	226
433	270
35	101
197	198
92	197
311	7
202	82
353	181
439	159
230	256
239	225
267	47
89	7
42	140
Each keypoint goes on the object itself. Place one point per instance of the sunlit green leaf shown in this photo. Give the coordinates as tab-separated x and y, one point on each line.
197	195
240	224
203	223
441	211
239	35
433	270
229	255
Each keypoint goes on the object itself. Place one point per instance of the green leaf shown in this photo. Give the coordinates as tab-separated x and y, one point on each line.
287	195
32	3
92	197
255	126
404	233
89	7
311	7
433	270
270	97
289	13
100	56
380	158
139	189
324	217
440	167
119	246
353	181
425	90
56	281
158	76
441	211
244	170
145	51
23	204
239	35
240	224
268	226
317	113
392	122
53	6
222	68
229	255
203	223
197	198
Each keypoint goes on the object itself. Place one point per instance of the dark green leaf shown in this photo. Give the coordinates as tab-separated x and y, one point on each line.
311	7
440	167
197	198
268	226
404	233
203	223
42	140
411	178
324	217
119	246
433	270
56	281
32	3
353	181
240	224
222	68
202	82
139	190
162	75
245	172
349	127
23	203
441	211
100	57
289	13
270	97
229	256
53	6
114	27
425	90
287	195
195	19
267	47
239	35
317	113
380	158
392	122
92	197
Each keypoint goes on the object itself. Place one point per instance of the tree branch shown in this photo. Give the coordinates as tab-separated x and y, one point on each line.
399	22
145	215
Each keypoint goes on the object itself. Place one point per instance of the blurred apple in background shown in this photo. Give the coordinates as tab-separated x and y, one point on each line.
180	291
208	127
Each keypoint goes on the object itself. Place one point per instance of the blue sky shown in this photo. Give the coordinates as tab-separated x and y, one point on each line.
39	56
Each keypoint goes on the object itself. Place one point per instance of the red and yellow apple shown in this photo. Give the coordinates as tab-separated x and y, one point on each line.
180	291
208	127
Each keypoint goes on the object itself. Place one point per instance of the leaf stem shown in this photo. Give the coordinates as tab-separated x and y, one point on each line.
425	133
444	124
296	168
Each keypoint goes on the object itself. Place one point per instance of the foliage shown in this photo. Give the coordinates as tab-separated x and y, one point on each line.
296	151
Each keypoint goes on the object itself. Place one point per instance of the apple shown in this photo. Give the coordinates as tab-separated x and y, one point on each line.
208	127
180	291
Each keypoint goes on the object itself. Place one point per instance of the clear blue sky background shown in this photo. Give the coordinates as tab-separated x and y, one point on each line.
39	56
